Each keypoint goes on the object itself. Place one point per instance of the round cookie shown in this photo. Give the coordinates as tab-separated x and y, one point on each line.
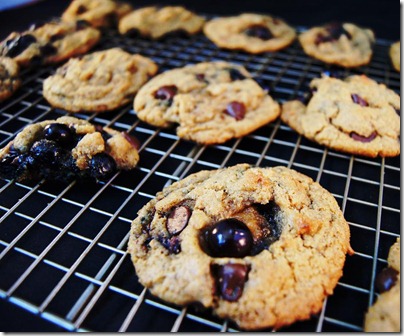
384	315
156	22
261	246
67	148
355	115
98	13
9	80
343	44
211	102
98	82
52	42
253	33
394	53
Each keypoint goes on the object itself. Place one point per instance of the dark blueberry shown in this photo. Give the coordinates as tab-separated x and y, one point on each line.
230	280
47	152
236	75
227	238
102	166
361	138
60	133
19	44
259	31
359	100
171	244
48	50
273	228
9	164
386	279
166	93
236	110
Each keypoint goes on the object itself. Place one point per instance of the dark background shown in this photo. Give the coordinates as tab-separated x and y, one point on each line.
383	17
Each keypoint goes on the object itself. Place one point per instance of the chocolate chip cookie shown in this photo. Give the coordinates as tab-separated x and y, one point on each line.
156	22
261	246
355	115
395	55
9	77
51	42
98	13
211	102
384	315
67	148
250	32
343	44
98	82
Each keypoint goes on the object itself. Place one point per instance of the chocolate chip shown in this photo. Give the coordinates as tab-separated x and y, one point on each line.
361	138
230	280
172	244
178	219
236	75
17	45
166	92
236	110
132	140
359	100
386	279
260	31
81	9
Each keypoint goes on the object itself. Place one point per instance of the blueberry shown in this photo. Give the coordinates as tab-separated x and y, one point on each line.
17	45
60	133
260	31
102	166
227	238
47	153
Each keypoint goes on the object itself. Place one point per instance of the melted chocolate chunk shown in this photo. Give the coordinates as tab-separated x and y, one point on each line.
132	140
260	31
230	280
334	31
358	137
386	279
19	44
178	219
166	92
236	110
359	100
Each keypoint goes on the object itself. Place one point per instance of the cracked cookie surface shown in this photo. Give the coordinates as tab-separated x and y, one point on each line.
343	44
98	82
384	315
394	53
261	246
9	77
355	115
253	33
211	102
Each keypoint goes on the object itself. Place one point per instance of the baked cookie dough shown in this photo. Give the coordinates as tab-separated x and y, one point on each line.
98	82
253	33
355	115
395	55
384	315
261	246
67	148
51	42
211	102
343	44
9	77
156	22
98	13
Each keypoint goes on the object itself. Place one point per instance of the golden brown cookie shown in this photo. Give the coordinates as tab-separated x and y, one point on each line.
261	246
355	115
98	82
9	77
343	44
394	53
253	33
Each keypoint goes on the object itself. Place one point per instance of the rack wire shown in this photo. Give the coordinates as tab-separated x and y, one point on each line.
63	246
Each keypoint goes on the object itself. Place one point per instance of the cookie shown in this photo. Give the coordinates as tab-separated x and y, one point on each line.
384	315
354	115
67	148
156	22
394	53
343	44
252	33
9	77
98	13
211	102
51	42
98	82
261	246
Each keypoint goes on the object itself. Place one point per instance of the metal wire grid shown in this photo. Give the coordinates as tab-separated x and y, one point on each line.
63	246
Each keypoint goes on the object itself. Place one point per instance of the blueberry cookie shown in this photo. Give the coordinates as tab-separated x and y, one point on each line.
384	315
261	246
156	22
101	81
395	55
250	32
343	44
211	102
98	13
51	42
355	115
9	77
67	148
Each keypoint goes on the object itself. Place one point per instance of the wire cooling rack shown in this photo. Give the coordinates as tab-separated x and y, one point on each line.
63	246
